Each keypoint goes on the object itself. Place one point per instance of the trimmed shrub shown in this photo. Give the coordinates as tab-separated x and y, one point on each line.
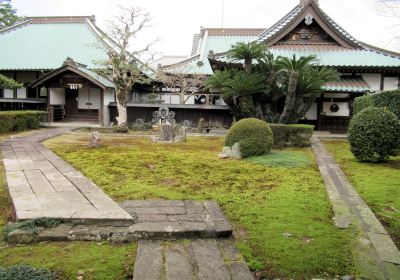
385	99
388	99
24	272
20	120
374	134
253	135
362	102
292	135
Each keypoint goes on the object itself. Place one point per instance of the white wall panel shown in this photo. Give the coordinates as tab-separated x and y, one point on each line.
312	112
57	96
344	110
8	93
21	93
391	83
374	80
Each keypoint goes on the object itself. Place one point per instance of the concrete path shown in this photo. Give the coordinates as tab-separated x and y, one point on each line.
375	253
43	185
202	259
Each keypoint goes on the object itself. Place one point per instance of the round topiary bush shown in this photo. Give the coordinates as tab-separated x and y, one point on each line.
254	137
374	134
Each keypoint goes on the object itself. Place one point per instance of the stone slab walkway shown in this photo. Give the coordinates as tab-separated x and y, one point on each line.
201	259
43	185
376	254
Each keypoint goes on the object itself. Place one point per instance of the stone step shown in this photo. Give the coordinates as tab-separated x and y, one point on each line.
202	259
172	219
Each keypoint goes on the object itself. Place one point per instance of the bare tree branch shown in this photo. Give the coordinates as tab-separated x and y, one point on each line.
181	82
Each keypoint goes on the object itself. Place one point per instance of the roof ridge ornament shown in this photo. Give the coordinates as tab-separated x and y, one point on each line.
309	19
304	2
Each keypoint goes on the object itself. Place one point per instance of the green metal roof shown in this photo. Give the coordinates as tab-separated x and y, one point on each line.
94	75
199	63
331	55
348	84
45	45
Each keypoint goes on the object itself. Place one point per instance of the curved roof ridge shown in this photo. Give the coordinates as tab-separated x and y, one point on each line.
286	19
15	26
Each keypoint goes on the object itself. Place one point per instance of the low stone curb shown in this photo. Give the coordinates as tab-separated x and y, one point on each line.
375	252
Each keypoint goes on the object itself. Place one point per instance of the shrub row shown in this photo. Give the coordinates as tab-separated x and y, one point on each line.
385	99
20	120
292	135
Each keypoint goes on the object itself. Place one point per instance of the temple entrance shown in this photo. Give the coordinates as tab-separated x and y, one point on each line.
71	102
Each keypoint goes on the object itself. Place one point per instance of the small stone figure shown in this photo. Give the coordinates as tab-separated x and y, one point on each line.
96	141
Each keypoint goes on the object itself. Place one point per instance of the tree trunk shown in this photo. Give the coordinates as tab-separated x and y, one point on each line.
301	112
122	96
182	98
290	98
247	65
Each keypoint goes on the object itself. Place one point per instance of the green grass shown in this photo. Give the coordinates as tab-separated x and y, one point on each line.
101	261
262	202
288	157
377	183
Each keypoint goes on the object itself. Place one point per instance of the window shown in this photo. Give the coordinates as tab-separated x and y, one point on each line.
31	92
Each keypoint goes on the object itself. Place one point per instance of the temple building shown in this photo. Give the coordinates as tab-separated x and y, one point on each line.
307	30
56	59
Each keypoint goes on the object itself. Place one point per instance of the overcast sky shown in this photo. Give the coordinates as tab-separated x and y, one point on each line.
175	21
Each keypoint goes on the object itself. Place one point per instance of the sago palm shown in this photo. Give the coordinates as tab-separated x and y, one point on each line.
247	52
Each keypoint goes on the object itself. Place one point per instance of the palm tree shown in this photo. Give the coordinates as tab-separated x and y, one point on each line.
291	68
247	52
301	80
237	88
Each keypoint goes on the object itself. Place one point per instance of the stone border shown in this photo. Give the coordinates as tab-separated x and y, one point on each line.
375	253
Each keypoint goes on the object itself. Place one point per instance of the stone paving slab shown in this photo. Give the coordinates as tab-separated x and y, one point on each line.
163	219
43	185
376	253
201	259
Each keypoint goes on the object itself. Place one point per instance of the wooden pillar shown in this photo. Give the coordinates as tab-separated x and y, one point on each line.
320	101
101	111
382	86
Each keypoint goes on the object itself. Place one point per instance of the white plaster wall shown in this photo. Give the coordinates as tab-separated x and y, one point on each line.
170	99
57	96
21	93
374	80
109	96
344	110
390	83
8	93
85	96
312	112
25	77
190	100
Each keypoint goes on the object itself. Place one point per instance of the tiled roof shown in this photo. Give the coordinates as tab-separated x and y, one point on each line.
218	40
348	84
331	55
44	43
106	82
293	15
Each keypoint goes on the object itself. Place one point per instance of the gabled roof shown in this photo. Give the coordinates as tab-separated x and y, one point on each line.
341	50
212	40
71	66
307	8
43	43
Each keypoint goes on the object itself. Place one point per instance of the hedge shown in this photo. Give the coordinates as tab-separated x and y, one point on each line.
292	135
253	135
20	120
385	99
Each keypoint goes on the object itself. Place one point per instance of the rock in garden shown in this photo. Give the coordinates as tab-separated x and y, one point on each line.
20	236
231	152
287	234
